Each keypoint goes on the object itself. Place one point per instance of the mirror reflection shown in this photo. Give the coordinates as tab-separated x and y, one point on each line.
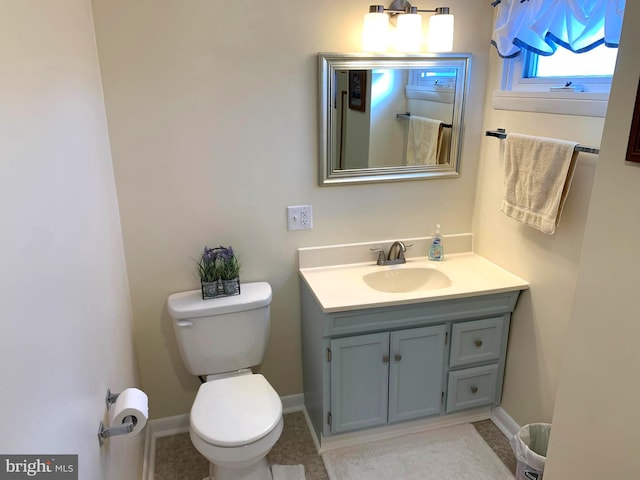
390	117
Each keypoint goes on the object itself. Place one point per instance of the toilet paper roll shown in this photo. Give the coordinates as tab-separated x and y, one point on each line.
131	402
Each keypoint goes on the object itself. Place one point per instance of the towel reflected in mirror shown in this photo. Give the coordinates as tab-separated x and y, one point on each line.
424	138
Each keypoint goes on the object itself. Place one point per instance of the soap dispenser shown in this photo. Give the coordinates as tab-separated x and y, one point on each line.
436	251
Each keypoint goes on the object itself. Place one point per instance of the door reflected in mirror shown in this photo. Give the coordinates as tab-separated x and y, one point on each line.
389	118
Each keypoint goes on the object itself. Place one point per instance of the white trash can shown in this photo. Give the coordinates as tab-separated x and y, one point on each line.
530	448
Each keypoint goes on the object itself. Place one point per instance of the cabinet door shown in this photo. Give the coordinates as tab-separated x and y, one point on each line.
359	381
416	375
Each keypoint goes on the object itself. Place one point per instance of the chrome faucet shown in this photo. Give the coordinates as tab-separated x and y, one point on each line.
395	256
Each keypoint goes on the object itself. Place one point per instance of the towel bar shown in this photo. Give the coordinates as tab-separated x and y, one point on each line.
408	114
502	133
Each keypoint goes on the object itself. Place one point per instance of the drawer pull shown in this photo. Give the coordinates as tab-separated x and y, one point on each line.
478	342
398	357
385	359
474	389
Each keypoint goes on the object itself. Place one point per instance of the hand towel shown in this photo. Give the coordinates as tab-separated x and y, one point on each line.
423	141
537	176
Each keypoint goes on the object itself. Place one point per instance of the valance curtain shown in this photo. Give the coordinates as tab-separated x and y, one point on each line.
542	25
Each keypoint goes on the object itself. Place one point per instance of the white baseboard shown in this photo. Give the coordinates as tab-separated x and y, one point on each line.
163	427
292	403
316	442
149	458
507	425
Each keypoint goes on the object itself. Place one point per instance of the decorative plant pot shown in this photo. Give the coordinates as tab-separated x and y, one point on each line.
210	289
220	288
231	287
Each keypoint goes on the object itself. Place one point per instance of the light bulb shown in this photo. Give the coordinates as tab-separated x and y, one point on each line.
409	32
375	32
440	34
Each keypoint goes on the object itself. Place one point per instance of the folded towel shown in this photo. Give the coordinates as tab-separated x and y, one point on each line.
288	472
537	176
423	141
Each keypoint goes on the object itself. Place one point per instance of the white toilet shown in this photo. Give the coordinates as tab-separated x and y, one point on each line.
236	417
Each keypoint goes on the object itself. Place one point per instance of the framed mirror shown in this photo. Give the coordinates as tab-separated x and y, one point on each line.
391	117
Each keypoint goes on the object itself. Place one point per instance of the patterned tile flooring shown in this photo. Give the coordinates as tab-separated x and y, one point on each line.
177	459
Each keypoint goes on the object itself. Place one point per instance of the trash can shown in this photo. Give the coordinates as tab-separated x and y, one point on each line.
530	448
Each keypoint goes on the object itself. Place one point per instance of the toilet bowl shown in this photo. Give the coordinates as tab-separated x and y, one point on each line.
234	423
236	417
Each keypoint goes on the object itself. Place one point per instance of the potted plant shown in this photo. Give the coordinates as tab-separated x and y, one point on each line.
219	272
208	272
229	271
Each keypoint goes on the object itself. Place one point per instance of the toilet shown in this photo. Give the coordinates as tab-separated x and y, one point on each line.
236	417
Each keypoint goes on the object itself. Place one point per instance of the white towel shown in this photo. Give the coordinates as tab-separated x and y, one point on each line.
537	176
423	141
287	472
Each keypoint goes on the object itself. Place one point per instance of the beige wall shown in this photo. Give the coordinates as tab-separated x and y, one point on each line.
539	329
213	124
66	313
595	424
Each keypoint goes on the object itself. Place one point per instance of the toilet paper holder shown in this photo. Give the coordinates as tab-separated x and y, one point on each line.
126	427
111	398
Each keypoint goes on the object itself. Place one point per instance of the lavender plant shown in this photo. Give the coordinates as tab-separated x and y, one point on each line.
207	265
228	265
218	263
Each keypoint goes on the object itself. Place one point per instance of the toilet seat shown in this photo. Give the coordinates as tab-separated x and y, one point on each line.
235	411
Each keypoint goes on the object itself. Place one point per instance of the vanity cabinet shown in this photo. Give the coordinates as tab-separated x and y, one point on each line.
376	366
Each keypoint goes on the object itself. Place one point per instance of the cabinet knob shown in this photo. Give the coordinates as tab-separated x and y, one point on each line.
385	358
478	342
474	389
398	357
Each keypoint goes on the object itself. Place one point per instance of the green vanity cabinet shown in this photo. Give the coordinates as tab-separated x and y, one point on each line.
369	367
385	377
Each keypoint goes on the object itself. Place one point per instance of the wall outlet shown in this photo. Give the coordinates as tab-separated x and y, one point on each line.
300	217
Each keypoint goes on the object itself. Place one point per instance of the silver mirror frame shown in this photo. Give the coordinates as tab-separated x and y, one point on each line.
329	63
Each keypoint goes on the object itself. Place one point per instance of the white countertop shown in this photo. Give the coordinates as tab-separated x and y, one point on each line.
341	287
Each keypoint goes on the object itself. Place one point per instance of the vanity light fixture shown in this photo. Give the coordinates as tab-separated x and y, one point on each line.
408	32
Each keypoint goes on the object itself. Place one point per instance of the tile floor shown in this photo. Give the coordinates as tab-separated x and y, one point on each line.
177	459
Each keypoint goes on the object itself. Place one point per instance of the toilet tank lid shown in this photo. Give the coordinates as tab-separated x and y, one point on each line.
191	305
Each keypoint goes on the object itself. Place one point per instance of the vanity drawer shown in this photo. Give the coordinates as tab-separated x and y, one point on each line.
478	341
472	387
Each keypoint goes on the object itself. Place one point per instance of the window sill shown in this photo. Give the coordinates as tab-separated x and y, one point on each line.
567	103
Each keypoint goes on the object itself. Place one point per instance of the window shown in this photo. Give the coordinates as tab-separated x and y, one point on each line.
572	72
599	62
536	39
565	83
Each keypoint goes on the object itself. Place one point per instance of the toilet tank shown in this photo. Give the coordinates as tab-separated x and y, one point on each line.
222	334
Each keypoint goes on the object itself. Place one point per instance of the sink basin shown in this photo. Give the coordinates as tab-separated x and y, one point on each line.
402	280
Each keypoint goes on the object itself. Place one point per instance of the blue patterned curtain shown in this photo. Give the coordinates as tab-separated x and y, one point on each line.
543	25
